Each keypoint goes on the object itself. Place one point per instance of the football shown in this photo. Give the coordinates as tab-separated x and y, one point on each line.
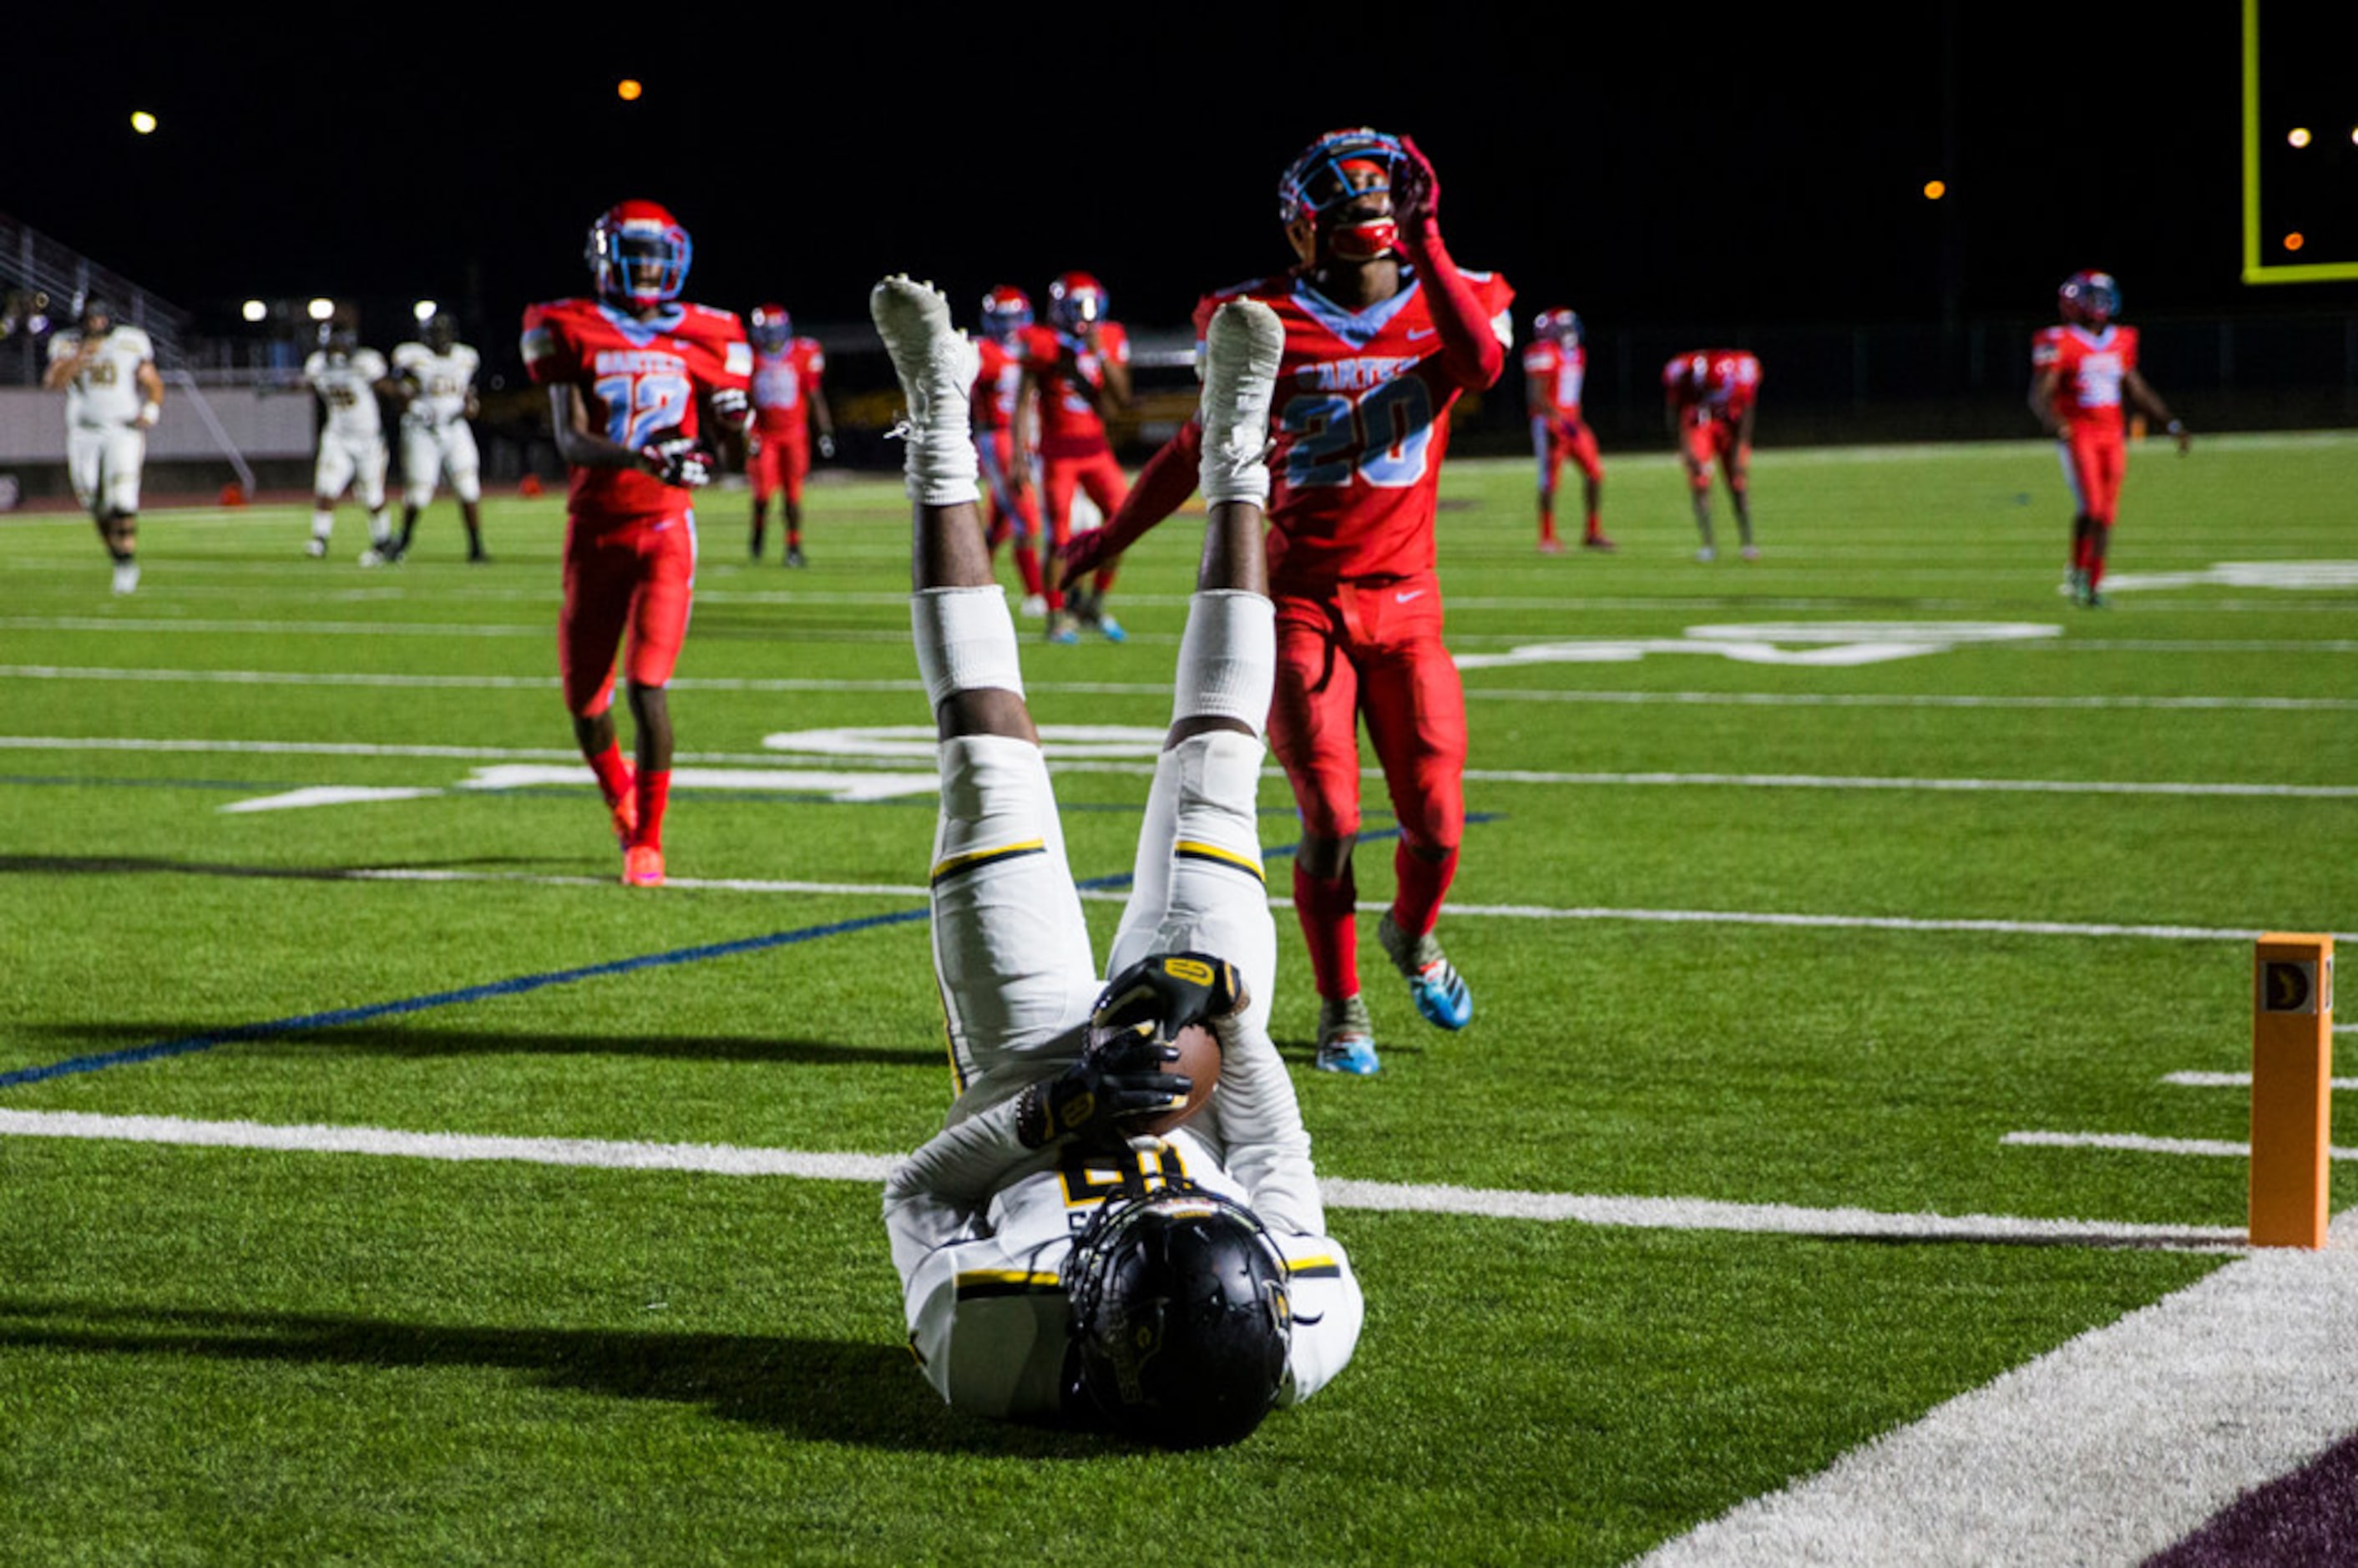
1199	1059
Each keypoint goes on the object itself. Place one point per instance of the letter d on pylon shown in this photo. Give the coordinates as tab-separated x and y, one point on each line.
2292	1088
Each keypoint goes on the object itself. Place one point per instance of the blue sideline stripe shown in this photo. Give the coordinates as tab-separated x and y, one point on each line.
515	987
522	983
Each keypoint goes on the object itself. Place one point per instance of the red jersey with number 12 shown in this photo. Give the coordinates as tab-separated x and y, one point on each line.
641	382
1361	420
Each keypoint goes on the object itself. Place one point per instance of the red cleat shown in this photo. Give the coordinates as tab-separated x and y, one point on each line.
1550	546
642	867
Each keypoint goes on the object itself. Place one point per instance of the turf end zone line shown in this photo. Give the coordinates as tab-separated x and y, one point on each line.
2110	1448
1390	1198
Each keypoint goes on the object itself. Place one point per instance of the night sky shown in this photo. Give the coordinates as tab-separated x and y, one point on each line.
1662	163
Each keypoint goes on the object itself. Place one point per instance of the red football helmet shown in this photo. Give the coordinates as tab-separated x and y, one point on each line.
1557	326
638	254
1322	199
2089	299
1006	310
770	328
1075	302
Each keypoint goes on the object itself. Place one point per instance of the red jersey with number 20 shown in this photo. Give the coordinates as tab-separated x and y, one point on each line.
640	381
1361	420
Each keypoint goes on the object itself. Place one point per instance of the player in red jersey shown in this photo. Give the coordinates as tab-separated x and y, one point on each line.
1006	471
631	374
789	396
1076	369
1383	332
1708	398
1555	366
2079	372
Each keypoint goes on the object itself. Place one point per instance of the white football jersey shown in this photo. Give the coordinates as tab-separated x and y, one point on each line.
346	388
988	1319
442	381
105	392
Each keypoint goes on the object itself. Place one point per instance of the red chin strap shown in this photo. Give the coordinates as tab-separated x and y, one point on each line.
1363	241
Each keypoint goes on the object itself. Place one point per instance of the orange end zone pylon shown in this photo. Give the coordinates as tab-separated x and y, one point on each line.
2292	1088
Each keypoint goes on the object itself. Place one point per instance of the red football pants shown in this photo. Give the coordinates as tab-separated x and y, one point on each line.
2095	457
781	464
1370	648
637	575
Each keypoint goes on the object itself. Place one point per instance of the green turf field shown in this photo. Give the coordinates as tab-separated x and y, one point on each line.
234	1355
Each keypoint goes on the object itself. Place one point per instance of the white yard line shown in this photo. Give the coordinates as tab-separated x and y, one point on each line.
1150	689
2242	1080
1485	776
1862	921
1469	911
1669	1214
1869	782
2105	1450
2136	1143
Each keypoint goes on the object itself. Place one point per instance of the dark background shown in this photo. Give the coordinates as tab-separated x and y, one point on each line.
1696	171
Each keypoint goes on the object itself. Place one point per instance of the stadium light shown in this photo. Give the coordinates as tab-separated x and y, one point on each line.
1934	189
2299	136
254	311
628	90
143	122
2295	240
423	310
321	309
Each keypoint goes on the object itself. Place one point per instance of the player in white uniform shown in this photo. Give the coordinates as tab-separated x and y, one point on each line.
347	378
1056	1263
436	440
113	397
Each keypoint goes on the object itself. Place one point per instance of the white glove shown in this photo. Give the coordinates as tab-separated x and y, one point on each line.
679	461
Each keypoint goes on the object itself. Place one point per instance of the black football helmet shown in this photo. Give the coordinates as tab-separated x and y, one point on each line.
1181	1318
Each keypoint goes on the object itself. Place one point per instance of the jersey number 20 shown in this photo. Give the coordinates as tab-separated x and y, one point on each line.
1381	435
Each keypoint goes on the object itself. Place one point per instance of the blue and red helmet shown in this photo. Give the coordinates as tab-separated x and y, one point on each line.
1006	310
1336	170
2089	299
1558	326
639	254
770	328
1074	301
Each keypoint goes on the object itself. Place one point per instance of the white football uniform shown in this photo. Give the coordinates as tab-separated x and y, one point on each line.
436	440
105	443
980	1223
351	440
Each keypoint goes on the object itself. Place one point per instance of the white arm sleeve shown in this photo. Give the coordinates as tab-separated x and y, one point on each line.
1254	1124
936	1196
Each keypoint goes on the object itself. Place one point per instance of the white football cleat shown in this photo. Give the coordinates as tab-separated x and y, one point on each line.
126	576
936	364
1035	607
1242	349
316	547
